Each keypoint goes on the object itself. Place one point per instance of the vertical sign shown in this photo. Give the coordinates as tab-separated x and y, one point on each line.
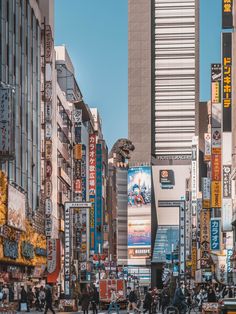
92	187
67	253
227	181
227	14
83	174
99	203
205	237
194	173
6	124
182	240
227	80
207	153
215	234
206	192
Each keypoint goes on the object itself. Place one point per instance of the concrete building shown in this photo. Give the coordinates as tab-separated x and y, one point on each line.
163	104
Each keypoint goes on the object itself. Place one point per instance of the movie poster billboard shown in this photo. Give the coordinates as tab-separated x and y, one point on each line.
139	214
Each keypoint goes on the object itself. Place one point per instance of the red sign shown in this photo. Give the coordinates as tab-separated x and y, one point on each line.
54	260
92	164
78	186
216	167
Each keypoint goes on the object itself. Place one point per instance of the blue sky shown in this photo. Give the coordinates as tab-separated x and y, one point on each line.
95	33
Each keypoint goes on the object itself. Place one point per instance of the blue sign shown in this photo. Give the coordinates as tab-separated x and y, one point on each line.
10	249
215	234
229	254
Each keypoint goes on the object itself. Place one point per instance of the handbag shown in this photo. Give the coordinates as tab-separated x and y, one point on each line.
23	307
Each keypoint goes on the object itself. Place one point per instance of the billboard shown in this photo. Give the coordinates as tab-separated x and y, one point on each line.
16	208
139	214
92	187
227	80
6	124
227	14
167	179
206	192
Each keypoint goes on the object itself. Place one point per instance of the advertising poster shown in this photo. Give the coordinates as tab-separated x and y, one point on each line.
227	14
215	234
16	208
227	80
139	214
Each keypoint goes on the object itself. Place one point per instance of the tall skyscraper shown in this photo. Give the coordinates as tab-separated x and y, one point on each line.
163	106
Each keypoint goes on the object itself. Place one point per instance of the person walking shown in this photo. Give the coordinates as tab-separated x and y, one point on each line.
48	300
23	305
85	301
211	296
30	297
94	300
113	304
42	296
147	304
132	300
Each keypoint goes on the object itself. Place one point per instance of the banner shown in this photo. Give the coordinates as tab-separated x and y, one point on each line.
215	234
53	260
216	194
227	80
206	192
92	187
227	14
205	237
207	153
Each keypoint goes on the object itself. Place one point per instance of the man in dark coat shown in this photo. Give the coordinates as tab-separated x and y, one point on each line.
147	304
179	298
48	300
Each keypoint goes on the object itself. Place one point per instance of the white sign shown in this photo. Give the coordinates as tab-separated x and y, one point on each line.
48	111
51	255
207	137
48	206
206	188
48	188
48	227
194	180
48	91
227	214
48	130
77	115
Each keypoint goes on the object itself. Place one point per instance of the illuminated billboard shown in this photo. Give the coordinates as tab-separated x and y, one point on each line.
139	215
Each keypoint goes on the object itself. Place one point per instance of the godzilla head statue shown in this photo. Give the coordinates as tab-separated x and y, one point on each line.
120	152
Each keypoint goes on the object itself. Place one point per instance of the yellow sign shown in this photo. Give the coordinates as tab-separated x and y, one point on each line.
216	194
215	92
194	261
206	204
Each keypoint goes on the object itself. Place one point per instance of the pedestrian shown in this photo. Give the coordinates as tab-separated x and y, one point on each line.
147	304
179	298
85	301
94	300
42	296
24	305
165	298
211	296
37	301
132	300
30	297
48	300
113	304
